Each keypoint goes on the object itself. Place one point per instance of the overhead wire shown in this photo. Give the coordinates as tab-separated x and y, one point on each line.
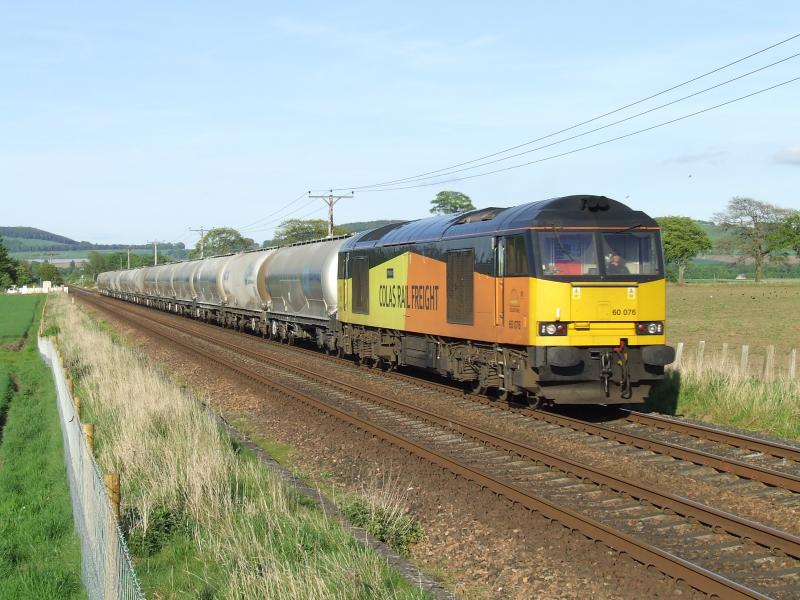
259	221
427	174
612	124
595	145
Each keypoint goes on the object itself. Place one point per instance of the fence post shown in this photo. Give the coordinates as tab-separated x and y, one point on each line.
678	355
724	357
792	363
112	485
769	363
743	362
88	432
701	350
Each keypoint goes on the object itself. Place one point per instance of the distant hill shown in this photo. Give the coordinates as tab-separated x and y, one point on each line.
30	240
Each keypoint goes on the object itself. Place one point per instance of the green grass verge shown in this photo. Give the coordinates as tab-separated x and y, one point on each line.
16	316
39	552
770	407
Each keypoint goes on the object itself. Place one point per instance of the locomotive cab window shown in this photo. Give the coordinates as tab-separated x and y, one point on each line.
568	253
460	293
516	258
359	269
630	253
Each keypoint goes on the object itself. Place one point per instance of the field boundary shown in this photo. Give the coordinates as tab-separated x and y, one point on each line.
106	566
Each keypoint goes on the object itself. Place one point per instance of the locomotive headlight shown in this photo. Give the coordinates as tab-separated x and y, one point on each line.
552	328
652	328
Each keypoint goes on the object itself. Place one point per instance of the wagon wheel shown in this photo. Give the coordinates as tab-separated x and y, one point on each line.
476	388
503	395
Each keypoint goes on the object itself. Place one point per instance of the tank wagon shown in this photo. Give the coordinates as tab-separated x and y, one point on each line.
561	300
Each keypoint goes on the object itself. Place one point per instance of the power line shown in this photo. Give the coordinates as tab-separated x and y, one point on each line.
571	127
305	216
629	118
601	143
263	225
258	221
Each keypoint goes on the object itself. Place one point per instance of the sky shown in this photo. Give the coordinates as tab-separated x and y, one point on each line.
129	122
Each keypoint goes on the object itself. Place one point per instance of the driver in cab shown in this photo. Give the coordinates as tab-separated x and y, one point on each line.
616	266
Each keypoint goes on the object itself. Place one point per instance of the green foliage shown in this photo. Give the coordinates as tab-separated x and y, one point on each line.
39	554
163	525
49	272
397	530
222	240
751	225
683	240
8	268
303	230
447	202
787	235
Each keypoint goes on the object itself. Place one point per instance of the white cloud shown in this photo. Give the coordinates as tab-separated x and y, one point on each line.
787	156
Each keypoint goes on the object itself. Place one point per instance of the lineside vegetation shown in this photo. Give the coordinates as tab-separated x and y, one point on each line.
203	519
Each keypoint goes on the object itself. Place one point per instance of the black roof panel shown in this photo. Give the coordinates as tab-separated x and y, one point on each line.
567	211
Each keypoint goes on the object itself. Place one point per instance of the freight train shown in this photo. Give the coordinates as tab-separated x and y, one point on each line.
559	301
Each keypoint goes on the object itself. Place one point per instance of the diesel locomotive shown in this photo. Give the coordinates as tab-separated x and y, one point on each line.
561	300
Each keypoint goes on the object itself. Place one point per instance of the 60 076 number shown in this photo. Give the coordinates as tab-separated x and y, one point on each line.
623	312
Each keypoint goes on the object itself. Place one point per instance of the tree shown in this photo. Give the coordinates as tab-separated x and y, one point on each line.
683	240
50	272
787	235
752	225
222	240
8	265
448	202
303	230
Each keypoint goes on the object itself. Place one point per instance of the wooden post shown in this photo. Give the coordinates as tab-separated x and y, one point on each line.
792	363
678	355
112	486
769	363
724	357
70	386
701	350
743	362
88	432
76	402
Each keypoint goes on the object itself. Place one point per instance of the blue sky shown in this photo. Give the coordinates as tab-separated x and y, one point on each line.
125	123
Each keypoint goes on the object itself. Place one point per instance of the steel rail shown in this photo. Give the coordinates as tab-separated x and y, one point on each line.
704	432
703	579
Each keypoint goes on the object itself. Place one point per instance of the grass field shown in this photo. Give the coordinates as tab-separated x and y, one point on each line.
39	553
192	501
756	315
713	387
16	316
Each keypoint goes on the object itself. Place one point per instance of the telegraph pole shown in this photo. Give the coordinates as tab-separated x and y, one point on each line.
330	200
202	240
129	258
155	252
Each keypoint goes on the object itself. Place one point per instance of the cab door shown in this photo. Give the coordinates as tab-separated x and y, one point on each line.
499	281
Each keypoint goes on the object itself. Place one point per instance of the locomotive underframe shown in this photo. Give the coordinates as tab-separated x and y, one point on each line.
523	371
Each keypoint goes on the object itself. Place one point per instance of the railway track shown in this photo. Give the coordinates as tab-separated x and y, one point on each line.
768	462
712	551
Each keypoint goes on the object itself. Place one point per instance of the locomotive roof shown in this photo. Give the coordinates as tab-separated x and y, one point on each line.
567	211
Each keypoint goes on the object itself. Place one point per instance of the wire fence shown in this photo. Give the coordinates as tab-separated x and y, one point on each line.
106	566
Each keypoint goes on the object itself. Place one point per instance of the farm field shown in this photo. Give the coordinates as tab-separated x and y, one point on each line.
39	553
712	386
736	314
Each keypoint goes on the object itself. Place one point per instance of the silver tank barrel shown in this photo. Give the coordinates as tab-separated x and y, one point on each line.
207	280
301	280
244	281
